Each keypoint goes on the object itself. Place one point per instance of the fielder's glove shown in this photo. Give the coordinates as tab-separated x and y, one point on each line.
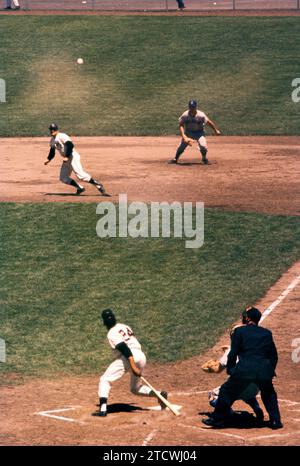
212	366
188	141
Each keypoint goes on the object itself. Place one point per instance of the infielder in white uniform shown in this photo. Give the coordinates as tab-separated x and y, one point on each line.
128	357
71	161
191	125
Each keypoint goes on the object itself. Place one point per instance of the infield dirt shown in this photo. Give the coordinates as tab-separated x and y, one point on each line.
258	173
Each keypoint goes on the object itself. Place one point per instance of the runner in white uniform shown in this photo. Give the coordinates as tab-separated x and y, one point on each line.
128	357
71	161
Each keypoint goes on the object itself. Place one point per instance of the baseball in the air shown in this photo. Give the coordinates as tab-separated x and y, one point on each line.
79	61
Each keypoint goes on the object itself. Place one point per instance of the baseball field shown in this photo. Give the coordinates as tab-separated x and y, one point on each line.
121	108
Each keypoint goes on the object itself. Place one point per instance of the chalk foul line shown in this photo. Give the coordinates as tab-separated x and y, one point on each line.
283	295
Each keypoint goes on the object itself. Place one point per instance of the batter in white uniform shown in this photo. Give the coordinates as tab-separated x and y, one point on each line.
128	357
71	161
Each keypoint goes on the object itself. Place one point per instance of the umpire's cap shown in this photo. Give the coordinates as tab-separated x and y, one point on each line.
193	103
253	314
53	127
109	318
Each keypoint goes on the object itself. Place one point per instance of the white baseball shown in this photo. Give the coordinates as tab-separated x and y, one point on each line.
79	61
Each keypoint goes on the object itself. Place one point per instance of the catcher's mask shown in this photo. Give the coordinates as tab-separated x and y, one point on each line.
109	318
253	314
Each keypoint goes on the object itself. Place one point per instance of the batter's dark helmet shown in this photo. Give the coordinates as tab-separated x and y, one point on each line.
53	127
109	318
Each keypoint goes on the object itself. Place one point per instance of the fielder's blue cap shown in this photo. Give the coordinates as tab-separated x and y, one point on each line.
193	103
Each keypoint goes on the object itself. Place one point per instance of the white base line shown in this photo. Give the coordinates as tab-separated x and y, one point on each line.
190	393
60	418
292	403
280	298
226	434
149	437
273	436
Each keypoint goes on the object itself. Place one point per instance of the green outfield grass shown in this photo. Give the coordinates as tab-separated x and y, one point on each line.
139	73
57	276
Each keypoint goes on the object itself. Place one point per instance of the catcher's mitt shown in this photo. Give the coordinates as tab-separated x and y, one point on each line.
212	366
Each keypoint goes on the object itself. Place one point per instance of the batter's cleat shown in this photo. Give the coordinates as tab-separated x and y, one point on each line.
172	161
100	414
80	191
101	189
164	394
275	425
17	7
7	8
205	161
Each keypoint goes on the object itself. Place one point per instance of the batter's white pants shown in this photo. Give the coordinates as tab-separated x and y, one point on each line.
73	164
117	369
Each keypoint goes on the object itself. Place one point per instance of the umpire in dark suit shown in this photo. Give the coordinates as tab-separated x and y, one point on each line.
252	359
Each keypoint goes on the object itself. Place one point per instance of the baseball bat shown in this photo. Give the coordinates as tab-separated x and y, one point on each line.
166	402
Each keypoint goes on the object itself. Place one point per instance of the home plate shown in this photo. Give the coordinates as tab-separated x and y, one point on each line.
158	408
